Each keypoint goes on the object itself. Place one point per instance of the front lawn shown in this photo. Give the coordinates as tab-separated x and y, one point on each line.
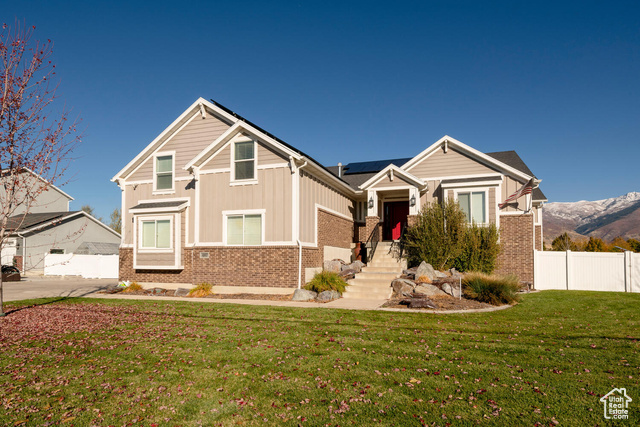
545	361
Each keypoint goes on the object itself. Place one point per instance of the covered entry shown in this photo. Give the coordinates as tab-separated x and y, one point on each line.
395	219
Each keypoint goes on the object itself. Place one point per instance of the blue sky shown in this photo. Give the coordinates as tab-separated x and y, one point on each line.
349	81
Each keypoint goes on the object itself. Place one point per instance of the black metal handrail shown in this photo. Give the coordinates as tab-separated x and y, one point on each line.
397	247
372	243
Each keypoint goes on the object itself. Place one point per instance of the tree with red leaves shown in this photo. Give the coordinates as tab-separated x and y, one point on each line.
36	140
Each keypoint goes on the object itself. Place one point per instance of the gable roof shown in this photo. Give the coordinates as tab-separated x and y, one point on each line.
395	170
358	173
50	185
32	222
238	124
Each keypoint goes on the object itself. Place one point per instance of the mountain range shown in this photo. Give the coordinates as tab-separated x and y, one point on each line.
607	219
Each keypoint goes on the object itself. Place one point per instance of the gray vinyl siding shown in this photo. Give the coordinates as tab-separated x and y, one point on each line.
510	186
187	144
222	159
67	235
272	193
314	191
49	200
183	189
387	183
451	163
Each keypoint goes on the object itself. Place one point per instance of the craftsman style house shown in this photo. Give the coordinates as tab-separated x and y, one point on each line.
215	198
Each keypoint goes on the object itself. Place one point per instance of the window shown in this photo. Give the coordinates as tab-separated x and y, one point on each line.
56	251
473	204
244	229
164	172
156	234
244	160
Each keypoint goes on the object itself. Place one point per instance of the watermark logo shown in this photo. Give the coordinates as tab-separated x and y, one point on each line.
616	404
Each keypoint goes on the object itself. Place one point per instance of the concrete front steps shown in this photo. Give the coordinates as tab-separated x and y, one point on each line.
374	283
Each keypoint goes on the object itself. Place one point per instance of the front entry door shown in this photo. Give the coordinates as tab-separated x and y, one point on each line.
395	217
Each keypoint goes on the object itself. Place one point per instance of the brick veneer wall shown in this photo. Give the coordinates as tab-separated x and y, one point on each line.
516	238
359	232
539	245
262	266
372	222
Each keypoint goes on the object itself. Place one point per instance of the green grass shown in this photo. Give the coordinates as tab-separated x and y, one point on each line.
549	358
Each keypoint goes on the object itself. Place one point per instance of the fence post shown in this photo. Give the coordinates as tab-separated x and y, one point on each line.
568	254
627	271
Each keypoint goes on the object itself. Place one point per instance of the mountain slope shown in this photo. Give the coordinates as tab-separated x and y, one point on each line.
607	219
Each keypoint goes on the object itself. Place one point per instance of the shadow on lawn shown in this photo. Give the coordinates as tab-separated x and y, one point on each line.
60	298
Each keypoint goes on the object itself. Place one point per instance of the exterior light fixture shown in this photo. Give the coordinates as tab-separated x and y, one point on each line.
371	202
412	202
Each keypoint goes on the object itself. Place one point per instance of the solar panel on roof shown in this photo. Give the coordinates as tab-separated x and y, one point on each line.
373	166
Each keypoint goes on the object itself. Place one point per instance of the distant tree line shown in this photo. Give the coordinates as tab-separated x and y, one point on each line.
595	244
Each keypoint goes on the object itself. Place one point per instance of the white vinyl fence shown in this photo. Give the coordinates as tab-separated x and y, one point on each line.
587	271
87	266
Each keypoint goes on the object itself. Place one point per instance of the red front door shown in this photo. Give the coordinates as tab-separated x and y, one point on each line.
395	217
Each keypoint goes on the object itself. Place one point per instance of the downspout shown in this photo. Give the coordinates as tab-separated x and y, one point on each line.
299	264
295	169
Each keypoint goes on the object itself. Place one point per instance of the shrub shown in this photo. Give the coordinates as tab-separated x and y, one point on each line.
438	235
480	250
423	279
201	290
326	281
495	290
133	287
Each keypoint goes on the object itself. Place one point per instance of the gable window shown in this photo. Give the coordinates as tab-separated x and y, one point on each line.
244	230
244	160
164	172
473	204
156	234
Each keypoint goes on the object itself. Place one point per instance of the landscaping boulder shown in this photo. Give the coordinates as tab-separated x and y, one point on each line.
402	288
427	290
182	292
356	265
453	290
303	295
426	270
348	274
410	272
421	303
327	296
440	274
334	266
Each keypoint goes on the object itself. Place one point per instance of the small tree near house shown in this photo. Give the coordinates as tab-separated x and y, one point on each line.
35	140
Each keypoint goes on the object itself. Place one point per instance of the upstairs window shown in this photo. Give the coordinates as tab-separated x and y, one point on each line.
244	161
474	204
164	172
156	234
244	230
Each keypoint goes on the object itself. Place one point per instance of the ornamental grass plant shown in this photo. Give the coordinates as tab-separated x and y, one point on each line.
326	281
492	289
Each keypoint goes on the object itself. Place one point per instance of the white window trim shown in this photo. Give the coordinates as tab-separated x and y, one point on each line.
171	190
146	218
470	190
253	180
227	214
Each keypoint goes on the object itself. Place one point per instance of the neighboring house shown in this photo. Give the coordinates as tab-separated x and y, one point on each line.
49	227
214	198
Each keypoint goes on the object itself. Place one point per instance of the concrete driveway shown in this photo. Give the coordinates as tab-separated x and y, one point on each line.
46	287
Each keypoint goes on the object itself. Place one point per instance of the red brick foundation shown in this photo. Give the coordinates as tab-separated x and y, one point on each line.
516	238
260	266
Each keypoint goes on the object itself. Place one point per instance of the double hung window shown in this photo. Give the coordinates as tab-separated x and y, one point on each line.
244	160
